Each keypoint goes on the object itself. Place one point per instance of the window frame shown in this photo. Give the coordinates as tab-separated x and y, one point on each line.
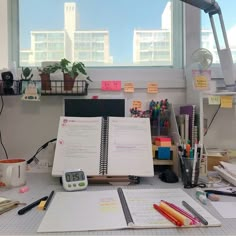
166	77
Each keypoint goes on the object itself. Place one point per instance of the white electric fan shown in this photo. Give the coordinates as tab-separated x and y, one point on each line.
203	58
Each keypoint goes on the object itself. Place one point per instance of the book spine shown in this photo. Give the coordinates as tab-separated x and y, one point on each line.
192	129
104	148
125	207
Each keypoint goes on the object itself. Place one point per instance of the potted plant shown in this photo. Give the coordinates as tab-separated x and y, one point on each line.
71	71
26	74
44	74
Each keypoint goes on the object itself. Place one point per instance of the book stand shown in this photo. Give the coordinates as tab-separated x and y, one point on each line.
113	180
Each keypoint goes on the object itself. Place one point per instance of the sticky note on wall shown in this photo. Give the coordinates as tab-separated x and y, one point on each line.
152	88
201	79
111	85
214	100
137	104
226	101
129	87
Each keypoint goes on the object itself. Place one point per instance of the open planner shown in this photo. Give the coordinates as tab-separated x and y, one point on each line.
115	146
115	209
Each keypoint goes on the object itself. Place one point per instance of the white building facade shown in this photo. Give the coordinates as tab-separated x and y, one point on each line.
91	47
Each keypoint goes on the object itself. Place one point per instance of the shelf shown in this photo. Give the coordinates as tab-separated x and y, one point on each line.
46	88
173	162
59	87
162	162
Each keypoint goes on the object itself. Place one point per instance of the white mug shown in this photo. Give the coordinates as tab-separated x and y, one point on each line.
12	172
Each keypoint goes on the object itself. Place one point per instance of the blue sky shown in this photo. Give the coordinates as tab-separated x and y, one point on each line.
120	17
228	8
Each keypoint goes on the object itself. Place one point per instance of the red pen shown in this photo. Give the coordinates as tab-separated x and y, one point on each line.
183	212
167	215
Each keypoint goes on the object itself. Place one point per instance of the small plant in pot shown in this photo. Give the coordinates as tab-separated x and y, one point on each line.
44	74
71	71
26	74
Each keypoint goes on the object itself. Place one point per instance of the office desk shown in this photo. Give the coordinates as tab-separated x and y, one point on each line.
41	184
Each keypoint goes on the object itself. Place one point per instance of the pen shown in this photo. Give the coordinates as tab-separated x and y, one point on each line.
48	200
196	214
220	193
167	216
32	205
183	212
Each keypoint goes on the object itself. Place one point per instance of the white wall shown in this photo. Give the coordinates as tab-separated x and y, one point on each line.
27	125
222	133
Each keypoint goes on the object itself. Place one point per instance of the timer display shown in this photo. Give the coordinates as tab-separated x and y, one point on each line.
74	180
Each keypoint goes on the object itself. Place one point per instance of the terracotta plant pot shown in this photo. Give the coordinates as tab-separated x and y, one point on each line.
68	82
45	81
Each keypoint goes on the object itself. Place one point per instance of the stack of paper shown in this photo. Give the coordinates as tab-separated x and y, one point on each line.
227	171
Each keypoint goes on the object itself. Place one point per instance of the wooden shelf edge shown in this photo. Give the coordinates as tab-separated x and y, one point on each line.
163	162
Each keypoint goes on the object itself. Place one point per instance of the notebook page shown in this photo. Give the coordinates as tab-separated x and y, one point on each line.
130	147
78	145
82	211
140	203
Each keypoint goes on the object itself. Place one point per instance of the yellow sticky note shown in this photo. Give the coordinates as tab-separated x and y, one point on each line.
201	82
152	88
129	87
137	104
226	101
201	79
214	100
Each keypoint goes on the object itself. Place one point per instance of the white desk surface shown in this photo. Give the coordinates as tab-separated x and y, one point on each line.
41	184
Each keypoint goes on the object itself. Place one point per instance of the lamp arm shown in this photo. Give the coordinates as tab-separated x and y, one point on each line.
226	60
225	55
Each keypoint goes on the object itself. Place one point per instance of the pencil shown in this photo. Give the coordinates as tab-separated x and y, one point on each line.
48	200
167	215
195	213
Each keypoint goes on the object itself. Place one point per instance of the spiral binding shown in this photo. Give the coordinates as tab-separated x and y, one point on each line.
104	147
125	207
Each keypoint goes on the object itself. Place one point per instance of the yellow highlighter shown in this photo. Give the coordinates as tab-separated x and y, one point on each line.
183	219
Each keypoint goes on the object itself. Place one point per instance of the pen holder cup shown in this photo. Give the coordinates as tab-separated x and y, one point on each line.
189	171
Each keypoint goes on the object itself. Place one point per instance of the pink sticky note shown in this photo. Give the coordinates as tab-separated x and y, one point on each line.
111	85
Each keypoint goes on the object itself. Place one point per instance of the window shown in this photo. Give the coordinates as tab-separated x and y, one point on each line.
207	40
100	32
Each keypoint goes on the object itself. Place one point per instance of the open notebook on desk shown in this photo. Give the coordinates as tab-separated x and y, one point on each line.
115	146
114	209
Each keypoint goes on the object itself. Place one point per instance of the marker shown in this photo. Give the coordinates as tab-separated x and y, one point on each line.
49	200
220	192
183	212
201	219
201	196
177	215
167	216
32	205
212	197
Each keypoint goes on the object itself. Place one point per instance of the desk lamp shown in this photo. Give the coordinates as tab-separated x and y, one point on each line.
226	61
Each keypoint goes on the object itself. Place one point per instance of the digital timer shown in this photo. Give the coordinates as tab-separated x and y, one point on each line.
74	180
